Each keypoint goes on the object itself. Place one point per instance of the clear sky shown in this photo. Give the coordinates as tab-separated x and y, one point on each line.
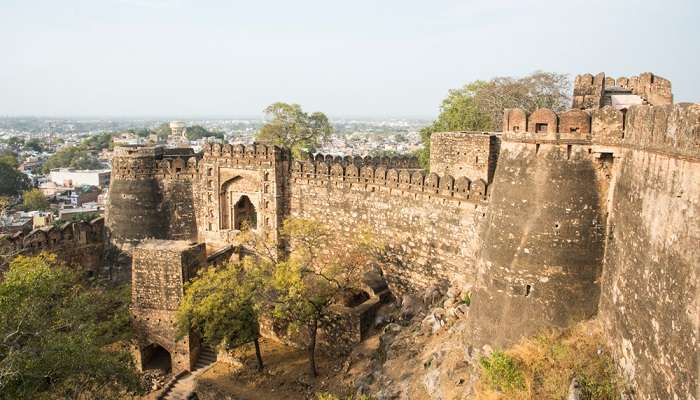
381	58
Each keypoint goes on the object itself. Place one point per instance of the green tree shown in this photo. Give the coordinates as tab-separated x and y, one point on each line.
219	305
479	105
98	142
34	199
303	288
9	158
56	331
12	182
197	132
35	145
289	126
77	157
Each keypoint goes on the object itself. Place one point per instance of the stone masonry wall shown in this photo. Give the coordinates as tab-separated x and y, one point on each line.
650	301
159	272
469	154
432	236
543	243
79	244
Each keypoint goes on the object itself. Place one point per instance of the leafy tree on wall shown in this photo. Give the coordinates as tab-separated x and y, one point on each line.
479	105
289	126
56	331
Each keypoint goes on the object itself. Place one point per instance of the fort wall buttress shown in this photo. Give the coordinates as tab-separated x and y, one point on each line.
134	210
542	245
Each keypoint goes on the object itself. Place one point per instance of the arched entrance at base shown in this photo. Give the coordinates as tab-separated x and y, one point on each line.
155	356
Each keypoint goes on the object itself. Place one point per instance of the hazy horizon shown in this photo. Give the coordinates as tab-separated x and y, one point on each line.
180	59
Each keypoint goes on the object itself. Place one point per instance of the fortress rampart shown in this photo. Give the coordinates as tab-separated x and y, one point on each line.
75	243
588	213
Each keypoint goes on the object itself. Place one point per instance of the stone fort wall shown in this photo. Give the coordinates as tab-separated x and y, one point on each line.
586	213
639	275
78	244
429	222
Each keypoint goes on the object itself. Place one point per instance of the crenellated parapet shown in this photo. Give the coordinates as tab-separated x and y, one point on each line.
74	242
671	128
395	181
253	154
591	92
402	161
545	123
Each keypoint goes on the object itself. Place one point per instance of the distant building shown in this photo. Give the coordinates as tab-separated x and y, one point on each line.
88	208
72	178
178	136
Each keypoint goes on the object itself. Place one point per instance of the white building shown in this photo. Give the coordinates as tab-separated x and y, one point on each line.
67	177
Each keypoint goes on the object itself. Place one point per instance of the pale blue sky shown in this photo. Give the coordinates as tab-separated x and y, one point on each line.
378	58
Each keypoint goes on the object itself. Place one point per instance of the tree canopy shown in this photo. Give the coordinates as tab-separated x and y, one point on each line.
196	132
34	199
12	181
289	126
55	332
303	287
78	157
479	105
219	304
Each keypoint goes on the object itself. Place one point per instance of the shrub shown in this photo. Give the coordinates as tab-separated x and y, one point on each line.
543	367
502	372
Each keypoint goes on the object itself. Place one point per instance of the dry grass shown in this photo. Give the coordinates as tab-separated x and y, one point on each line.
543	367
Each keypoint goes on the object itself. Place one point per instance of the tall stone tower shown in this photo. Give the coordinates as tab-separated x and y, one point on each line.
160	270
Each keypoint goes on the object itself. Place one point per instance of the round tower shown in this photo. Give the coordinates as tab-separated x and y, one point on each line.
134	209
543	243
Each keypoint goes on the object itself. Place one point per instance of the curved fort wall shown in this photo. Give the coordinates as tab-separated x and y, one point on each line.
644	168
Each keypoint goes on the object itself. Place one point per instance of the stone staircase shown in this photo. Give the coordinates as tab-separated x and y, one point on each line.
182	387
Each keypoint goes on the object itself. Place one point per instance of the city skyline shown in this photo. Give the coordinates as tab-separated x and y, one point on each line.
214	59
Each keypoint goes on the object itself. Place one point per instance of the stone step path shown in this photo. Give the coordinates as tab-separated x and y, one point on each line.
183	387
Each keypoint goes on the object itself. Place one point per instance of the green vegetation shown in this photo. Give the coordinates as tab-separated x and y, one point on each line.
59	334
33	200
291	127
9	158
98	142
79	217
196	132
296	293
12	182
543	367
35	145
219	305
478	106
501	372
78	157
304	286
